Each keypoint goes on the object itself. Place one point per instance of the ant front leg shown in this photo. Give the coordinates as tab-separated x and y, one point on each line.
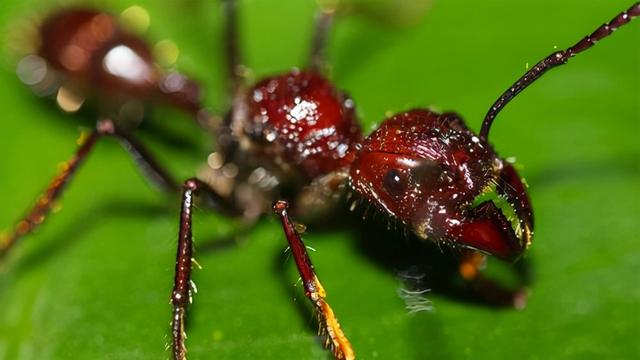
327	321
36	216
181	293
470	269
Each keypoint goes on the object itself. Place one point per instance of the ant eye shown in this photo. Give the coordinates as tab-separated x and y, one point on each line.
394	182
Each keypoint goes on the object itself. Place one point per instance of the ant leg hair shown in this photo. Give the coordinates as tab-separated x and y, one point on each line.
327	321
234	62
323	21
556	59
470	269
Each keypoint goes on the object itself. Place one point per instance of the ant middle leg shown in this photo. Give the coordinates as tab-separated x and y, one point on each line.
182	285
488	290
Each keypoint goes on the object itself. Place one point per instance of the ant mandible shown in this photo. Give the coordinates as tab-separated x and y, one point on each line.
296	134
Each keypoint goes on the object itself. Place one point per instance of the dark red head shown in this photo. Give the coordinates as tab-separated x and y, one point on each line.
445	183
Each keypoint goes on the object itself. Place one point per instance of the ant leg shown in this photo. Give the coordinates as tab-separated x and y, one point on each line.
45	202
181	294
227	143
234	65
323	21
328	323
149	166
470	268
157	175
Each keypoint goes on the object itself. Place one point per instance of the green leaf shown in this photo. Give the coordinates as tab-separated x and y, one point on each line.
94	281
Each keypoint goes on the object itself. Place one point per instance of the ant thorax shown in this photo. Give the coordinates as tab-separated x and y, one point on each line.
291	135
302	124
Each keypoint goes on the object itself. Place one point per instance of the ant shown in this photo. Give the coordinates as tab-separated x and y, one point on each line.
296	136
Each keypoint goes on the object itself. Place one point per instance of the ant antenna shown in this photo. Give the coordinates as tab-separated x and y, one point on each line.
553	60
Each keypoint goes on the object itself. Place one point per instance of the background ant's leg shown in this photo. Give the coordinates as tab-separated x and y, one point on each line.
323	21
327	321
45	202
470	268
149	166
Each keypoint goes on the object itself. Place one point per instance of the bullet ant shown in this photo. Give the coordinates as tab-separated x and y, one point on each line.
295	135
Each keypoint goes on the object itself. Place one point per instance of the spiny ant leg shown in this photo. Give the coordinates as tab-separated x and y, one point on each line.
181	294
46	201
327	321
470	269
39	212
323	21
556	59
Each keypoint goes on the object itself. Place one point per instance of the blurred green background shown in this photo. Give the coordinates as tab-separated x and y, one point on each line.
94	282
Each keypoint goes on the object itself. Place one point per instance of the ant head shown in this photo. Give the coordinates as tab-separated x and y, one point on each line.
70	38
446	184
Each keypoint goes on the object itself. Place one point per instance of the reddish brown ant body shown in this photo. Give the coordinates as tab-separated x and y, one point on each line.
296	134
89	54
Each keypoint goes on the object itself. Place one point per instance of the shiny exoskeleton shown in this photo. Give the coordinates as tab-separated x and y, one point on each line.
88	53
428	169
296	136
